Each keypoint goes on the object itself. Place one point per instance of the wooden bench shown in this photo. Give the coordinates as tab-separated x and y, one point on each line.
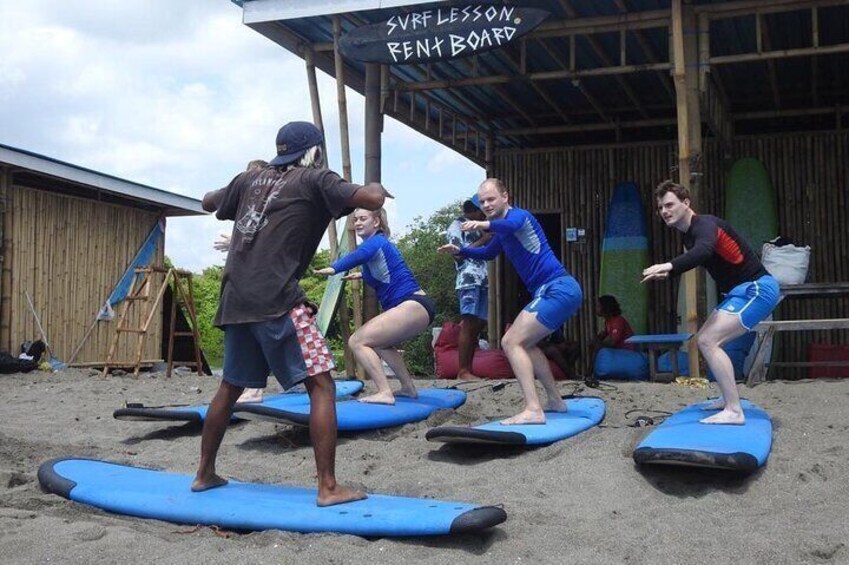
766	331
670	343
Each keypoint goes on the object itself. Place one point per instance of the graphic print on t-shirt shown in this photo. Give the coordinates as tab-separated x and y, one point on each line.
255	217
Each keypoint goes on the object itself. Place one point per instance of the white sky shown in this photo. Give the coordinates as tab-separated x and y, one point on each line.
179	95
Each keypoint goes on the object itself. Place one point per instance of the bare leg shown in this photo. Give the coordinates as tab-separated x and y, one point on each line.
721	328
322	391
542	371
394	326
396	363
214	426
555	353
523	336
470	329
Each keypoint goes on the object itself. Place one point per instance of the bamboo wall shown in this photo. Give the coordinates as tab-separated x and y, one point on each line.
68	253
809	173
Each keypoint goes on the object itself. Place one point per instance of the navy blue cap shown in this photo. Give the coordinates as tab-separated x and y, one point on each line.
474	201
293	140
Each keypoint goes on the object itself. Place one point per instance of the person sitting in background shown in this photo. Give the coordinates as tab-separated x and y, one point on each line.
561	352
616	329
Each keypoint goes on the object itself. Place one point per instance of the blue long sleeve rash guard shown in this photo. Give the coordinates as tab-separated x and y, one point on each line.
383	269
521	238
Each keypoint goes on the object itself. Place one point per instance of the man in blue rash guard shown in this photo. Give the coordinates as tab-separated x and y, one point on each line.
407	311
751	293
556	294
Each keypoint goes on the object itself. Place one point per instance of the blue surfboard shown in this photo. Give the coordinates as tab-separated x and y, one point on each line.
682	440
198	413
625	253
583	413
146	493
355	416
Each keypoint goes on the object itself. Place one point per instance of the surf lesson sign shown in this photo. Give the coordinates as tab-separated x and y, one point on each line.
440	33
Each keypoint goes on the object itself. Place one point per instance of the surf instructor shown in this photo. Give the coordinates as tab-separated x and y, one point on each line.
751	293
280	213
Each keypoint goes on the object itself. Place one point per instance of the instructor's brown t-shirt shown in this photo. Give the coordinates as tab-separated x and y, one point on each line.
280	220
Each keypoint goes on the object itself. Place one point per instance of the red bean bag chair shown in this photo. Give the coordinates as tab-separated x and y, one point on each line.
486	363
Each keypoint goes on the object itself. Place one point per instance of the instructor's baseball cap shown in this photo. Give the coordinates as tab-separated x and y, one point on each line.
293	140
473	204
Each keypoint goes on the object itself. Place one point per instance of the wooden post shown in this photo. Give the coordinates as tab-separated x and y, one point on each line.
689	142
373	129
332	235
342	100
5	182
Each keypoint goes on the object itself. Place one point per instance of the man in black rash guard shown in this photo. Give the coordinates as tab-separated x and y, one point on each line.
751	293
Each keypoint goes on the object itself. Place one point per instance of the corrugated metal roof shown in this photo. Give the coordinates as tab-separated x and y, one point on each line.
30	163
604	107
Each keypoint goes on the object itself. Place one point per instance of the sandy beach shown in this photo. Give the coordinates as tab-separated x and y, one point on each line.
578	501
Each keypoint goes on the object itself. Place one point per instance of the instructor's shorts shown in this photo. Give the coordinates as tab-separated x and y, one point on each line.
291	347
752	301
556	301
474	301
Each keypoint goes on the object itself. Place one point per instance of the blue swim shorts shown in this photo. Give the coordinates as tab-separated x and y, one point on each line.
555	301
290	346
474	301
752	301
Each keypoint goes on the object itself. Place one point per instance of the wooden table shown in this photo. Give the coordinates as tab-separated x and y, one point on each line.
661	342
766	330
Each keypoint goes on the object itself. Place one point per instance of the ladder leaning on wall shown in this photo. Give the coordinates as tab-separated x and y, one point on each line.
140	293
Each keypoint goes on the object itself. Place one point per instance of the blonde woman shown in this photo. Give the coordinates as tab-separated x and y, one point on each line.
407	311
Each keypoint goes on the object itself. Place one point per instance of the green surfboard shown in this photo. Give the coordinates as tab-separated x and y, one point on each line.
750	203
624	255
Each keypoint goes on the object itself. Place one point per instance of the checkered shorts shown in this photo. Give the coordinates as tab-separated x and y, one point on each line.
290	346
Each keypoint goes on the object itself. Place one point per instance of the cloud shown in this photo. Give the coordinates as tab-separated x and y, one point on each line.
180	95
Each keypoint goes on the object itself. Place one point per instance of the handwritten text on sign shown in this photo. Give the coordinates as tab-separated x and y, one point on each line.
451	45
440	33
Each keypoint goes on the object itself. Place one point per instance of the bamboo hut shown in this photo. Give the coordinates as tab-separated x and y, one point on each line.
607	92
68	236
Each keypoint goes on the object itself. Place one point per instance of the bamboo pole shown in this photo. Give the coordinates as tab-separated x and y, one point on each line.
342	100
373	128
332	234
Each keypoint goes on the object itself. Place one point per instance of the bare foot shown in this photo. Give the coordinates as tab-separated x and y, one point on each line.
339	495
464	375
715	404
407	392
379	398
555	405
200	485
726	417
525	417
251	395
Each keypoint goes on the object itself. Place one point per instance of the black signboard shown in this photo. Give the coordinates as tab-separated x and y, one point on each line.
440	33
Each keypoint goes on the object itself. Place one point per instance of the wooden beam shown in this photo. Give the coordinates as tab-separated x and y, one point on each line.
685	142
763	42
577	128
632	20
521	67
602	55
750	7
780	54
542	75
647	50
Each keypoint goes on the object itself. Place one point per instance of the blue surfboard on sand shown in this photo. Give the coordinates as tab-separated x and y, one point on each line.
682	440
146	493
355	416
625	253
583	413
198	413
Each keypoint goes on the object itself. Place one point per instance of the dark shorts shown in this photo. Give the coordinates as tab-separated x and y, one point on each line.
291	347
474	301
424	301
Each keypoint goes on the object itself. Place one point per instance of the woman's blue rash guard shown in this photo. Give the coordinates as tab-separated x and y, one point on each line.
521	238
383	269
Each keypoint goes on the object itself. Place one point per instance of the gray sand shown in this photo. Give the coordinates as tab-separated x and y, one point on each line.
578	501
